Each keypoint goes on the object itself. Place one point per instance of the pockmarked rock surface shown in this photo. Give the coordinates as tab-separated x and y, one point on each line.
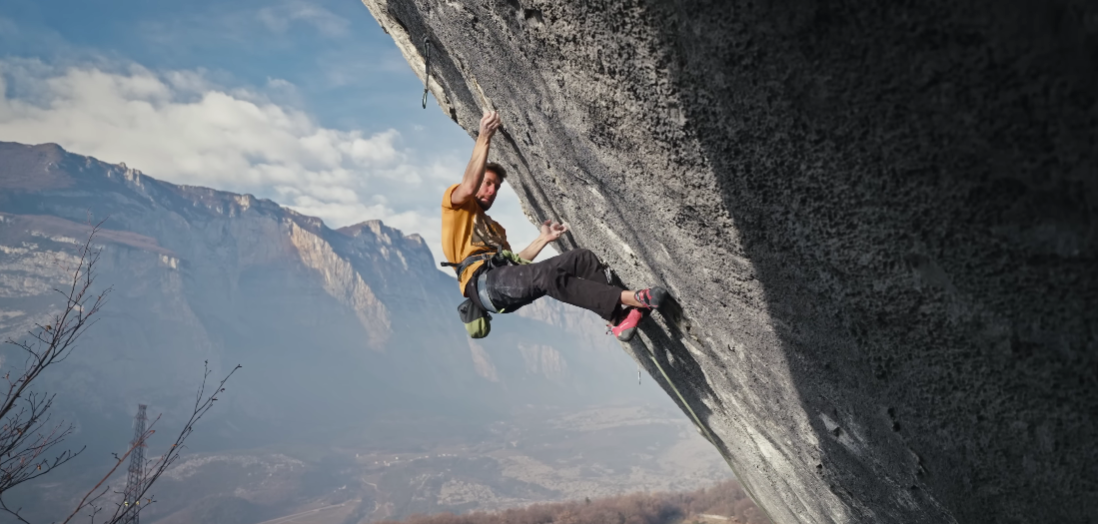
879	220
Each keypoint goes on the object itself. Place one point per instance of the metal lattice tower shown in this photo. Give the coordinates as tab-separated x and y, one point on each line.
136	477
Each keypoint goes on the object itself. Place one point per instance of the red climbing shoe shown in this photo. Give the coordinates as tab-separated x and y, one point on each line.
651	297
628	325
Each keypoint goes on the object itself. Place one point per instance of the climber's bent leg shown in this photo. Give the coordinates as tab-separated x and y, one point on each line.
582	263
512	287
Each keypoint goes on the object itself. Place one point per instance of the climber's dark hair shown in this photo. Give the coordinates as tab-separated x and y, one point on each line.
497	169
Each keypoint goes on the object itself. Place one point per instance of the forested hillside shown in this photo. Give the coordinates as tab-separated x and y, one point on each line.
724	502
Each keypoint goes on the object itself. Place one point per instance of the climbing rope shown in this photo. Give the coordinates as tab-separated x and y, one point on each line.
426	68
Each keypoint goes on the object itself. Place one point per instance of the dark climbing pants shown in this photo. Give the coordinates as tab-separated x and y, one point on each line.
575	277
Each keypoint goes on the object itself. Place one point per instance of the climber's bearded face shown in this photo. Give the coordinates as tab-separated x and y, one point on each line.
489	187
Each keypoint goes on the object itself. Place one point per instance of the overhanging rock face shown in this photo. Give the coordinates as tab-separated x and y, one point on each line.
880	223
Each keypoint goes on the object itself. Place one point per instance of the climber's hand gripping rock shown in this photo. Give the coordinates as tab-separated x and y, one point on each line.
489	123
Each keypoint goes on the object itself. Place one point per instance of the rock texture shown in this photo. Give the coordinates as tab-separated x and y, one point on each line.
879	220
329	325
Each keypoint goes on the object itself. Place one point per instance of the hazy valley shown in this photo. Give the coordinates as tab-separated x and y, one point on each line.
360	396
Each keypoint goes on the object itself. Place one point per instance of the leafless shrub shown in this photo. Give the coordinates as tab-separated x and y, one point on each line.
28	439
153	468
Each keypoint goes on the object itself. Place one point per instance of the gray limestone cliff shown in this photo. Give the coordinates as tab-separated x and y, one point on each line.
879	220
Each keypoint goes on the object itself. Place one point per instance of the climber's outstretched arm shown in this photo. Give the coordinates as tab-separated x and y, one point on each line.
474	172
550	231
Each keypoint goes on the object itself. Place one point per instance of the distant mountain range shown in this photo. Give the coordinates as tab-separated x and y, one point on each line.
332	327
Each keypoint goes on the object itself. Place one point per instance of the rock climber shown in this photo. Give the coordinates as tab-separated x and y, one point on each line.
495	280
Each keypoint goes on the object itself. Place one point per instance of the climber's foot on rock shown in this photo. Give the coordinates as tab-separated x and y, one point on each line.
626	328
651	298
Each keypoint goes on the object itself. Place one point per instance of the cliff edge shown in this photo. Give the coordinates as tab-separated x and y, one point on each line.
879	221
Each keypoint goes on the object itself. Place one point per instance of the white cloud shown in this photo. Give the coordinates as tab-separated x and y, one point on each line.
279	18
180	127
176	127
280	84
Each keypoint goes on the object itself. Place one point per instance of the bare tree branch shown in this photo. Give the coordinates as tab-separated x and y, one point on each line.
155	468
27	435
85	501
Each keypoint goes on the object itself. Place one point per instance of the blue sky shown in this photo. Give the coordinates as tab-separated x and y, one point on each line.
306	102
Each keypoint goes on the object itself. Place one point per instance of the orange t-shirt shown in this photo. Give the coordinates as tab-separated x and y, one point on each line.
466	231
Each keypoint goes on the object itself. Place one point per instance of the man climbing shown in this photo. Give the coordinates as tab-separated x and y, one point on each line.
497	281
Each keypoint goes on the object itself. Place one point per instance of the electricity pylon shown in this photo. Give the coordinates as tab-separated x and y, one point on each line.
136	478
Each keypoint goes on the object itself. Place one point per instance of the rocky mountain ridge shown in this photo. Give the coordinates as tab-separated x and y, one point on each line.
358	319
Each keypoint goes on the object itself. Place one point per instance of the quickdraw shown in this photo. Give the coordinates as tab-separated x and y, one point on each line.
426	68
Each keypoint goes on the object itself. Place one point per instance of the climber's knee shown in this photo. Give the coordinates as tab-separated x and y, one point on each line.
584	253
586	264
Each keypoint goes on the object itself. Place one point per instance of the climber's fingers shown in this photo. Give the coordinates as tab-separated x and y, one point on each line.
490	121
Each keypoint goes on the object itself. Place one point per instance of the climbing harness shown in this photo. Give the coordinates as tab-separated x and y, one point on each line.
477	317
498	258
460	267
482	293
426	68
477	320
